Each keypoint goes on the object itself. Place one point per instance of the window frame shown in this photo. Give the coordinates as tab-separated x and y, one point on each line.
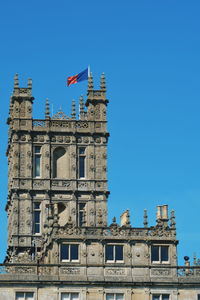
114	253
40	217
37	154
114	295
24	296
81	155
81	214
69	253
160	261
70	293
160	295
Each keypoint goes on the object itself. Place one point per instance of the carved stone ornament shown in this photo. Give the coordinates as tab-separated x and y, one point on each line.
73	211
67	139
60	116
16	153
23	138
85	139
47	154
98	140
29	153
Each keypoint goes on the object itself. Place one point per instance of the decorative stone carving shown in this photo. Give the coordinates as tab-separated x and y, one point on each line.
70	270
115	271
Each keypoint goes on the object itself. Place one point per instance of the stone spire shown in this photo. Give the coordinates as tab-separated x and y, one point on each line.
73	114
90	82
81	107
145	222
47	110
103	82
16	81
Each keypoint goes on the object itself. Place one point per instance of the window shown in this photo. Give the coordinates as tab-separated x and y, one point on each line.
69	252
198	297
160	254
81	214
115	296
70	296
114	253
24	296
36	217
37	161
160	297
81	167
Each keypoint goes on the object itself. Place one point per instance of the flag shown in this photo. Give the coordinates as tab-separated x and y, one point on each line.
78	77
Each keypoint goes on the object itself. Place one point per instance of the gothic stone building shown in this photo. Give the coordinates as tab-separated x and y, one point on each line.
60	246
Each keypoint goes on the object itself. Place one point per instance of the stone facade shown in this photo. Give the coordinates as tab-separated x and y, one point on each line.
59	243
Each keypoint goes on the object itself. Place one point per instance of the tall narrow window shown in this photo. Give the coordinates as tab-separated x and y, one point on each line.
81	214
37	161
81	166
36	218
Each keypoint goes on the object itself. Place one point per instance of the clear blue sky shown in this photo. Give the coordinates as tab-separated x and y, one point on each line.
150	53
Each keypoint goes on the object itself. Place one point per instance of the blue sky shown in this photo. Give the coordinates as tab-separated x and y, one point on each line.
149	51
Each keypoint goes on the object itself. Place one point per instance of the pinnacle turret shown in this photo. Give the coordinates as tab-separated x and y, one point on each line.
103	82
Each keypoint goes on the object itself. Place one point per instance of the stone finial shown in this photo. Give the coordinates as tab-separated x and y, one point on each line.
29	83
81	107
16	81
103	82
145	222
90	82
47	110
73	114
172	220
125	218
195	259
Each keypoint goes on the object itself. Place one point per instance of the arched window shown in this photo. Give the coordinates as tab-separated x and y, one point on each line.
60	163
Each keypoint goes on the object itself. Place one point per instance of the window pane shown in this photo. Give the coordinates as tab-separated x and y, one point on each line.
29	296
119	296
74	252
164	253
19	296
37	216
155	253
37	149
37	165
165	297
65	296
81	166
198	297
81	218
109	252
74	296
156	297
37	205
109	296
64	252
37	228
118	252
81	150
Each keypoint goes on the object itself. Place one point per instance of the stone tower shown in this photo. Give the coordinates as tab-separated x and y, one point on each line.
57	170
60	246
